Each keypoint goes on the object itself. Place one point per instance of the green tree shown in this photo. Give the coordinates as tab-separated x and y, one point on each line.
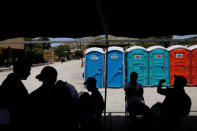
36	51
62	51
78	54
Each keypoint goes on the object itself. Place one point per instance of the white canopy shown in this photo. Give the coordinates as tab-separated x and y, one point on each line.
115	48
155	47
135	47
192	47
176	47
94	49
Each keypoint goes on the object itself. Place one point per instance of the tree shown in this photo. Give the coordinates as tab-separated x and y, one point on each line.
36	51
78	54
62	51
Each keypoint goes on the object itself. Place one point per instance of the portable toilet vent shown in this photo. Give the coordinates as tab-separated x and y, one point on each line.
158	65
193	64
137	61
115	72
179	62
94	65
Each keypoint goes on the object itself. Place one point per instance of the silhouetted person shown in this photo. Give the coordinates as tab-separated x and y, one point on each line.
86	113
14	95
177	103
97	103
51	103
134	98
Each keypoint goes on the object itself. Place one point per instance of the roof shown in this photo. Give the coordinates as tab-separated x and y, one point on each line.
115	48
192	47
155	47
13	46
176	47
94	49
135	47
89	17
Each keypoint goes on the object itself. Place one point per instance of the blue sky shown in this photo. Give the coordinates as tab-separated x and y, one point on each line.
71	39
183	37
59	39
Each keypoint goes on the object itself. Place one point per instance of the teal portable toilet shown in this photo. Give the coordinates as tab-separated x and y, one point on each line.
115	72
158	65
137	61
94	65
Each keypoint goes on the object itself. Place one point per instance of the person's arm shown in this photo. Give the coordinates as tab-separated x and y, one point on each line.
159	88
140	92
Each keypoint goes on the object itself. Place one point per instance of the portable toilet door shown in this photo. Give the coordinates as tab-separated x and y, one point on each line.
115	72
179	63
137	61
94	65
158	65
193	64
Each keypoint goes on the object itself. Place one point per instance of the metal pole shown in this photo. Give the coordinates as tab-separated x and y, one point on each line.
106	70
81	52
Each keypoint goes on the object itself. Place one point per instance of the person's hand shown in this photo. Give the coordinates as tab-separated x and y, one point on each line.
162	81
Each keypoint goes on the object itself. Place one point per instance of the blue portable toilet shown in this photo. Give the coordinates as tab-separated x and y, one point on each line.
137	61
158	65
115	72
94	65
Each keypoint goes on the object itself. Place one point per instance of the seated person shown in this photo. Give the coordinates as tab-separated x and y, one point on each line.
177	103
96	103
134	97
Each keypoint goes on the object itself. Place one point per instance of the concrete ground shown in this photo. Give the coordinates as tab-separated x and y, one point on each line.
71	71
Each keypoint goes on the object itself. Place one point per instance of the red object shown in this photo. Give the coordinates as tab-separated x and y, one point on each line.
193	66
179	63
82	63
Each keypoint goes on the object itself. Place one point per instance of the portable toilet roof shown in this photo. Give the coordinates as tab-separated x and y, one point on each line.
155	47
192	47
94	49
116	48
176	47
135	47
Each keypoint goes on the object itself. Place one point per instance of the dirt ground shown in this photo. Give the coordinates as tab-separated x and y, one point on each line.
71	72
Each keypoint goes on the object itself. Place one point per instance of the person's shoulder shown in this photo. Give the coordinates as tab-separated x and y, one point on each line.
127	85
139	85
36	92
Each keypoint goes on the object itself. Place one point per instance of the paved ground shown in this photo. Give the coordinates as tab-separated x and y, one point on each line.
71	71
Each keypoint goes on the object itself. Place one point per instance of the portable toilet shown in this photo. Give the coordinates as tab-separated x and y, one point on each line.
179	62
94	65
137	61
158	65
193	64
115	63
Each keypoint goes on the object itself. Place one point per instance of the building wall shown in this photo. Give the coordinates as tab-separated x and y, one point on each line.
13	46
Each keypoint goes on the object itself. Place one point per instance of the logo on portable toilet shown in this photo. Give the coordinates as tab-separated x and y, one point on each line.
114	57
158	56
138	56
179	55
94	58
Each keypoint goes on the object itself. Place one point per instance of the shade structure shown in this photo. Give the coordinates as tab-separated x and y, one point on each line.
158	65
75	18
94	65
193	64
179	62
137	61
115	72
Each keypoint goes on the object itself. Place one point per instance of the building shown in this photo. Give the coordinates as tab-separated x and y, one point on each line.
11	52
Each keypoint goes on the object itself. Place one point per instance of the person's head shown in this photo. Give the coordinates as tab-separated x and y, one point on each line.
91	83
48	75
133	77
180	82
22	68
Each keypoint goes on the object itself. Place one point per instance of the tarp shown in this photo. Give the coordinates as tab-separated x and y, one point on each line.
79	18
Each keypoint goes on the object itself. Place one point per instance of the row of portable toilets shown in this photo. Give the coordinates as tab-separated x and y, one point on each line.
151	64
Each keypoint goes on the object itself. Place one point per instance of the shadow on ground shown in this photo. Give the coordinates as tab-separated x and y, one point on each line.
122	123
